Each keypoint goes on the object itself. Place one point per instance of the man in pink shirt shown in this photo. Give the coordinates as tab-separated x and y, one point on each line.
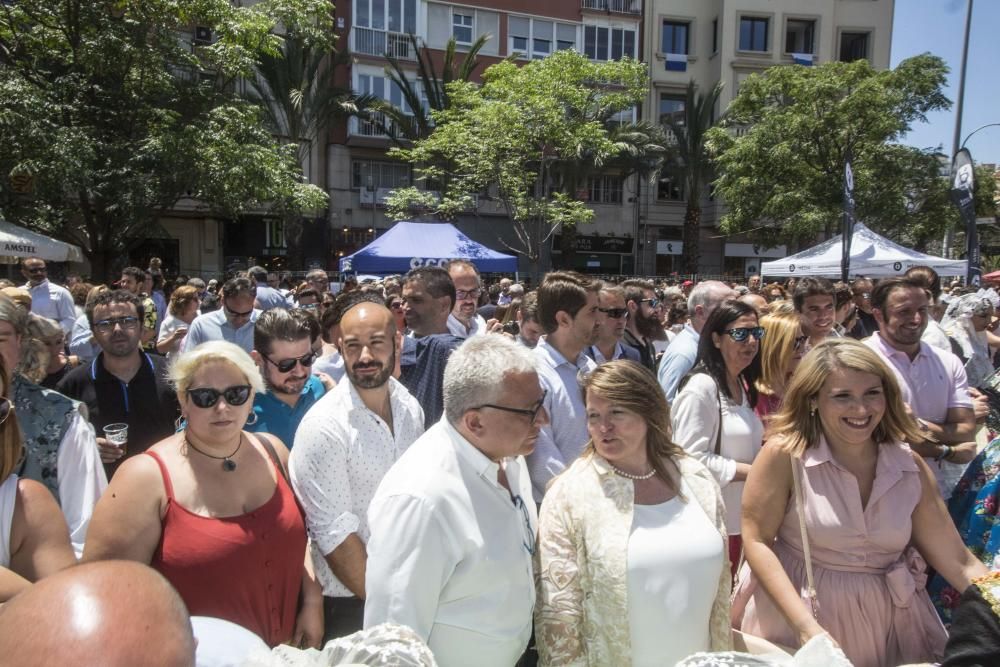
932	381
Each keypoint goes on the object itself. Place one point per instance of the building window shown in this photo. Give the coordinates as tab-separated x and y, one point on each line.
603	44
671	109
377	175
383	88
853	46
675	37
800	36
605	189
624	117
461	28
669	188
393	15
539	36
715	35
753	33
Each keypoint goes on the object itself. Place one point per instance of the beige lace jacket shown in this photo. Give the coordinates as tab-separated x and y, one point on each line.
581	616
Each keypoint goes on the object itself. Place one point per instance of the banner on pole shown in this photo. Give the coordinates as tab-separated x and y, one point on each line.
963	188
849	220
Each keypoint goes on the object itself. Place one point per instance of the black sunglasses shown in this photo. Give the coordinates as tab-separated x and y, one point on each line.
653	303
207	397
614	313
530	412
6	407
800	342
37	269
236	313
742	333
286	365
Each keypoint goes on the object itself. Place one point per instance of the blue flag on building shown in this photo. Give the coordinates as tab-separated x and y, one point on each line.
677	62
803	59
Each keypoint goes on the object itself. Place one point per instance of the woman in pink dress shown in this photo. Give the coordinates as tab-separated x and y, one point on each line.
872	516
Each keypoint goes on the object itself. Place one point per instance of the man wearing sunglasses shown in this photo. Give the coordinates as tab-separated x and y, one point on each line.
283	351
644	320
611	328
234	322
47	299
123	384
344	445
267	296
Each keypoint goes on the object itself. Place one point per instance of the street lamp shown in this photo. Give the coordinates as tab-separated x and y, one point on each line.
949	233
969	135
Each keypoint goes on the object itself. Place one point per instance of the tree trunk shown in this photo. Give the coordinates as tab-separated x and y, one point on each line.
692	233
567	245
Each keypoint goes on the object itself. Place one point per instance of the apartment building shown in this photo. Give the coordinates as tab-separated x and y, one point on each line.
728	40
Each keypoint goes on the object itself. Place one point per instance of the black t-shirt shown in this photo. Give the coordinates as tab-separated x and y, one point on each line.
147	403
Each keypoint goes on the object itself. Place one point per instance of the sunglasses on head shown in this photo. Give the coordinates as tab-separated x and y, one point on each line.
286	365
742	333
614	313
207	397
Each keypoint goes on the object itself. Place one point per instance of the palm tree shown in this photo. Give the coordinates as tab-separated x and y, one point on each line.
403	127
691	163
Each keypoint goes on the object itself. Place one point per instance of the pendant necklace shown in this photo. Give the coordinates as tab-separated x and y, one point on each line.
228	464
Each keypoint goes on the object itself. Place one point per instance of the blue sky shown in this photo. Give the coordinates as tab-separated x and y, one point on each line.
938	26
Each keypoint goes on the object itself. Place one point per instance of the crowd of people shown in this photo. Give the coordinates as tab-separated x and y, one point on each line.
589	472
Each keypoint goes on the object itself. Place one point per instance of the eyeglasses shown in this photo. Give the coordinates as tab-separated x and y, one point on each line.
530	412
308	306
529	540
742	333
6	407
206	397
614	313
800	342
286	365
471	294
37	269
653	303
236	313
396	305
107	326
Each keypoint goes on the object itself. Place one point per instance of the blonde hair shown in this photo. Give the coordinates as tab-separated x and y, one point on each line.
186	364
11	444
180	298
34	348
635	388
776	350
796	427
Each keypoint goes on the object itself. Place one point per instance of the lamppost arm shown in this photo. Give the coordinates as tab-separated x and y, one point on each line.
969	135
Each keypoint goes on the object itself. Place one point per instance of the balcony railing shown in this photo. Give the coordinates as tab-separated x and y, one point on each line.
382	43
614	6
373	127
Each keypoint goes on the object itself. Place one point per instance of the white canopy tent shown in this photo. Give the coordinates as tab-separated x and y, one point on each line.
17	243
871	255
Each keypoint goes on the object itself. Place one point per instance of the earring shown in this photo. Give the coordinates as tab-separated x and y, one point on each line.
812	411
252	419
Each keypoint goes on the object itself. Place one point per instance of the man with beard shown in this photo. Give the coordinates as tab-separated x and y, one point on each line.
344	446
123	385
567	311
932	382
464	320
644	320
611	328
283	352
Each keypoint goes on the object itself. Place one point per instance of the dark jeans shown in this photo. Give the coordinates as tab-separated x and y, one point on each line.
342	616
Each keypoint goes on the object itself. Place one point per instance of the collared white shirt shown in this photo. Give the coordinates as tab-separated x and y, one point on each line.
562	440
53	302
342	450
477	325
81	477
215	326
449	551
598	357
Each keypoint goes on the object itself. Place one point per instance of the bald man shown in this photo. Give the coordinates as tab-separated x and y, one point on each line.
111	613
345	444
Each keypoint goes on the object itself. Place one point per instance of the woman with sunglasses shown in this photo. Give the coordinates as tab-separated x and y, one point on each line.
394	302
632	538
713	414
780	353
212	510
34	539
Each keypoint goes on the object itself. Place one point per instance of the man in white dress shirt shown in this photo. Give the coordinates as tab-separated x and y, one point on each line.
453	525
47	299
464	321
344	445
567	311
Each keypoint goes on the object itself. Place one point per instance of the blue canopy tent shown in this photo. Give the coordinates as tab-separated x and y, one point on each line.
408	245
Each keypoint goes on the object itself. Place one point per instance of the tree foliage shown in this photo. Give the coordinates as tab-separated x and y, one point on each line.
781	174
531	136
110	114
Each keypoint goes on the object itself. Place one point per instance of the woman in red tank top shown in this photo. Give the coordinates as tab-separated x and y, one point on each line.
212	510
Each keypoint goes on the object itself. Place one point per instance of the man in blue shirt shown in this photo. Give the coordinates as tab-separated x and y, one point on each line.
283	352
234	322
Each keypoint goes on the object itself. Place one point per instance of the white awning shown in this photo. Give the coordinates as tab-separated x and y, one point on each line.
17	243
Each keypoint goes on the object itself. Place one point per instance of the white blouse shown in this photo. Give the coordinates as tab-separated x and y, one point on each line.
695	414
675	557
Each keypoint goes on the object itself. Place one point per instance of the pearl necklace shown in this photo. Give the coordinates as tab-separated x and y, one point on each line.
628	475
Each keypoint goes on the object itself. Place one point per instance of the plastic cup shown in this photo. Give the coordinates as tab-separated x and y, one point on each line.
117	434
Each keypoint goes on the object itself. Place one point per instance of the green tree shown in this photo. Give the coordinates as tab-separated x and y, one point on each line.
530	135
110	114
691	162
782	177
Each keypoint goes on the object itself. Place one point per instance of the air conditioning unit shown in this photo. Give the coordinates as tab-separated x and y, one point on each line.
202	35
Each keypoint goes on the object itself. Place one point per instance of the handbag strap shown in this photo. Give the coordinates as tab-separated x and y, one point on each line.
801	511
718	432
